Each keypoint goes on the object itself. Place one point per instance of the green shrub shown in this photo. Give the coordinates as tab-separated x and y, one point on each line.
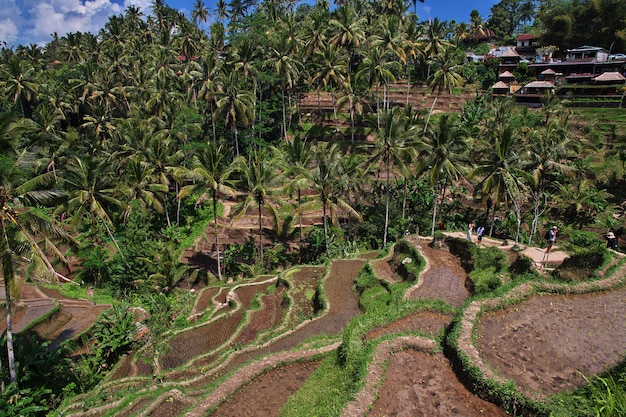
484	280
489	257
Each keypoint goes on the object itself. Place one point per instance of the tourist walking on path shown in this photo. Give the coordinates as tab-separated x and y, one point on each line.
551	236
479	233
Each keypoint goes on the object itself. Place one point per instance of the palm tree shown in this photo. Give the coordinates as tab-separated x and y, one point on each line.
259	178
221	8
353	94
21	225
550	150
234	104
347	30
444	78
296	160
200	13
210	175
500	173
327	179
19	84
330	74
141	183
91	194
392	147
441	151
287	67
377	69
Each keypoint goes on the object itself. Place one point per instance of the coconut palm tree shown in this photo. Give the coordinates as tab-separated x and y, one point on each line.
392	147
377	69
295	160
444	78
24	230
328	179
330	73
20	84
210	173
259	179
500	172
234	104
550	150
200	13
441	153
91	193
287	66
354	95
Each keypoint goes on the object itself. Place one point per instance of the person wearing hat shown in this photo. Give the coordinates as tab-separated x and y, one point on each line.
551	238
611	241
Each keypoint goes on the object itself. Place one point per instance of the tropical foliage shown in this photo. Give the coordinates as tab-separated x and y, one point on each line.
119	149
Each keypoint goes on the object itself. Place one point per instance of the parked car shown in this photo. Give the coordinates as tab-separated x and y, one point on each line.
617	57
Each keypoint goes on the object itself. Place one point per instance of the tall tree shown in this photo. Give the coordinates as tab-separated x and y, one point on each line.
200	13
234	104
24	230
500	173
328	182
287	66
392	148
210	174
258	178
445	77
441	154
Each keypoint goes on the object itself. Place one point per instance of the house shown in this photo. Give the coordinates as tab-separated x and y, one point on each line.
614	78
587	53
509	59
527	45
581	65
534	92
500	89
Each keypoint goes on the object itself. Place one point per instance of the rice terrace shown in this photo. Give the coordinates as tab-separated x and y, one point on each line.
277	209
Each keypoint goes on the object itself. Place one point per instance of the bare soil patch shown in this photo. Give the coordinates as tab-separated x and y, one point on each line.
427	322
423	384
444	280
544	342
265	395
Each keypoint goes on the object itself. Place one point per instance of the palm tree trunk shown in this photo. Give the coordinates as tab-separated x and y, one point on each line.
284	117
377	108
432	230
430	114
408	85
300	215
7	273
404	189
332	96
325	228
236	140
260	234
217	242
386	207
352	121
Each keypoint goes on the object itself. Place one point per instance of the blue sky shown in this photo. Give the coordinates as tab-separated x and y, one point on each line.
33	21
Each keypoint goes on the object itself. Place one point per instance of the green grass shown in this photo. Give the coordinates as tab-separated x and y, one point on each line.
324	394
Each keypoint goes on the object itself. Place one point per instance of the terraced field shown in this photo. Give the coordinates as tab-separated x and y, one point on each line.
255	344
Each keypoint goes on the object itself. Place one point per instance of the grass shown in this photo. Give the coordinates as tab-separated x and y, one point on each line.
324	394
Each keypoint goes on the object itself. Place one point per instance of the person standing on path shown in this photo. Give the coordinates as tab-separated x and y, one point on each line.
479	233
469	231
611	241
551	241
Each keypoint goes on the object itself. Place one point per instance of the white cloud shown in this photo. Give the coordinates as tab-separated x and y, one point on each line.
8	31
33	21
